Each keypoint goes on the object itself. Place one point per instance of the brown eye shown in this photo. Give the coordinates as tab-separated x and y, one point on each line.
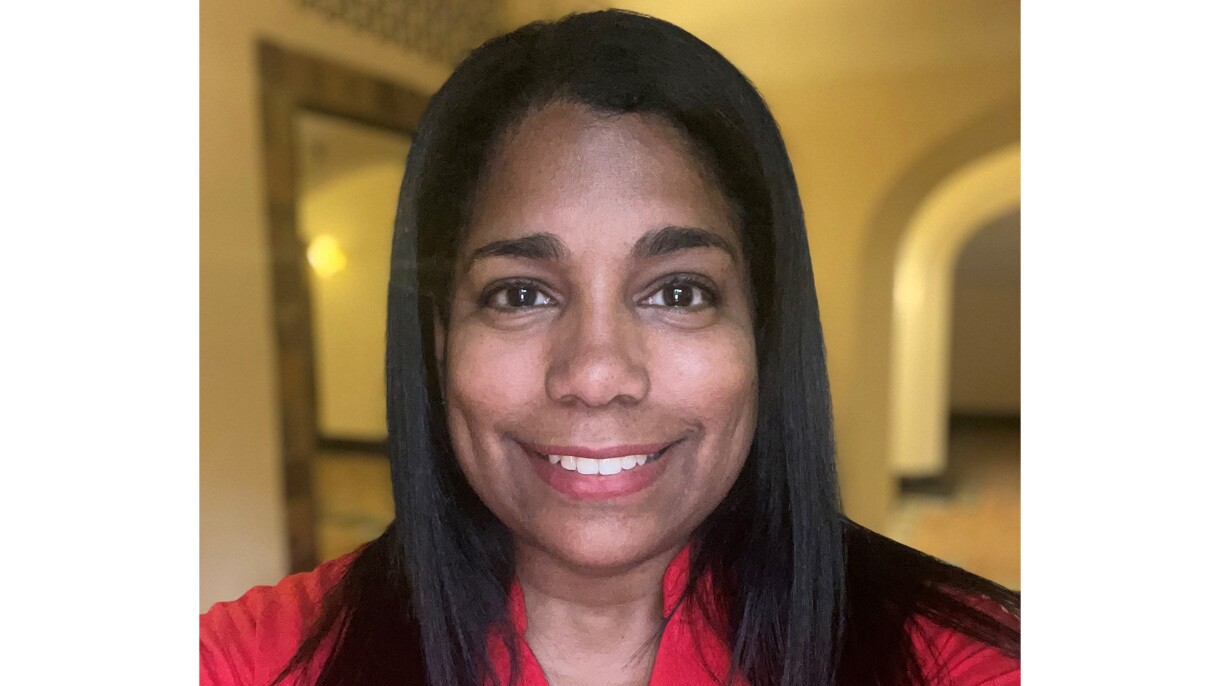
680	295
519	297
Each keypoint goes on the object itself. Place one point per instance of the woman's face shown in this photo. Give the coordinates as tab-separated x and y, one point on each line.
600	320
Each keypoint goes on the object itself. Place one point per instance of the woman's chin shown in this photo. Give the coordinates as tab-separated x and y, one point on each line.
606	550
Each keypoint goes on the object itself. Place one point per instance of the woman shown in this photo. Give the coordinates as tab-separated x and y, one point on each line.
608	408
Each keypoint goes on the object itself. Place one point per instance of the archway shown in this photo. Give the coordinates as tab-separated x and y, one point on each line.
963	202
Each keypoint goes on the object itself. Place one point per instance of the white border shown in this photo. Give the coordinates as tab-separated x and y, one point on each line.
1120	257
99	365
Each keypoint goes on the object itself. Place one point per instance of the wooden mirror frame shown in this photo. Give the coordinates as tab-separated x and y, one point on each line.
291	82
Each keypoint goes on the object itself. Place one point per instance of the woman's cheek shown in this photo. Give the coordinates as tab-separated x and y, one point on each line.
714	374
489	391
492	374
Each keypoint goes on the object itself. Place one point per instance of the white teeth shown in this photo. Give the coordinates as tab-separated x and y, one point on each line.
607	467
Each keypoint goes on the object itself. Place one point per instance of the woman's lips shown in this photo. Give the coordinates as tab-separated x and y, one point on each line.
598	473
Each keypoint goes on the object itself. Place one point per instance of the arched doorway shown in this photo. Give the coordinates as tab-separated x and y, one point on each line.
967	200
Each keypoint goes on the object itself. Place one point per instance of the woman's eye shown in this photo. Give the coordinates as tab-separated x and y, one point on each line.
680	295
519	297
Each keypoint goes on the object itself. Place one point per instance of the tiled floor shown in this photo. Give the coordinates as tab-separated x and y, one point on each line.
977	525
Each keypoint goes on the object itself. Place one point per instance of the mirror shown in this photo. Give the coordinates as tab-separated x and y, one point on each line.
348	176
335	147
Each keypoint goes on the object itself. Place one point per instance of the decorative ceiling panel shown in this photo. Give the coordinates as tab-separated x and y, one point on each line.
445	30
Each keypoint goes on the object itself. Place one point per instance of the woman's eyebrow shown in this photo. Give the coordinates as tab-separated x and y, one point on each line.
547	247
671	239
538	246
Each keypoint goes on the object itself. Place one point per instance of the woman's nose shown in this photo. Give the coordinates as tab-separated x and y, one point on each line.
598	359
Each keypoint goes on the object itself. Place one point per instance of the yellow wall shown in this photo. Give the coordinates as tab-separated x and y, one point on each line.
242	533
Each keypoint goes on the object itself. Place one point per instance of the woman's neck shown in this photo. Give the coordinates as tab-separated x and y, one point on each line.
589	626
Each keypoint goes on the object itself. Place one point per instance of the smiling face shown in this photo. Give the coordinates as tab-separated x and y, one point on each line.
600	319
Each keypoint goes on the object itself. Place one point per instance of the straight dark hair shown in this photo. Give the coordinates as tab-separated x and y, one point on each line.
809	598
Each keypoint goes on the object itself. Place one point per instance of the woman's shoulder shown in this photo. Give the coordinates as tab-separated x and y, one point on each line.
948	657
249	640
953	625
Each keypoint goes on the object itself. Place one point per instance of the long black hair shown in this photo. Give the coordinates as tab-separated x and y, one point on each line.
808	598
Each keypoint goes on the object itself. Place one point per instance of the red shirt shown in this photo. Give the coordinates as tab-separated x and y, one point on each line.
248	641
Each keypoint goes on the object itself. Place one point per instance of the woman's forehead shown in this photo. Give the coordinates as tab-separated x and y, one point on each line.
594	179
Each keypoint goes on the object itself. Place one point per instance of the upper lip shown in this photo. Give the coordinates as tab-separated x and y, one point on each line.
599	452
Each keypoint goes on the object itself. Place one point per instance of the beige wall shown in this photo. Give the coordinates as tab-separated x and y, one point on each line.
242	535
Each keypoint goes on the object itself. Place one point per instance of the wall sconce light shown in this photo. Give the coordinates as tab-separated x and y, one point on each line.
325	256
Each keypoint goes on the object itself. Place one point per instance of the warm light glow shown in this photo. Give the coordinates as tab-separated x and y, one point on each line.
325	256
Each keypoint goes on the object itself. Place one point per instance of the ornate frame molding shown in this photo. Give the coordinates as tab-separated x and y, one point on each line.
292	81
